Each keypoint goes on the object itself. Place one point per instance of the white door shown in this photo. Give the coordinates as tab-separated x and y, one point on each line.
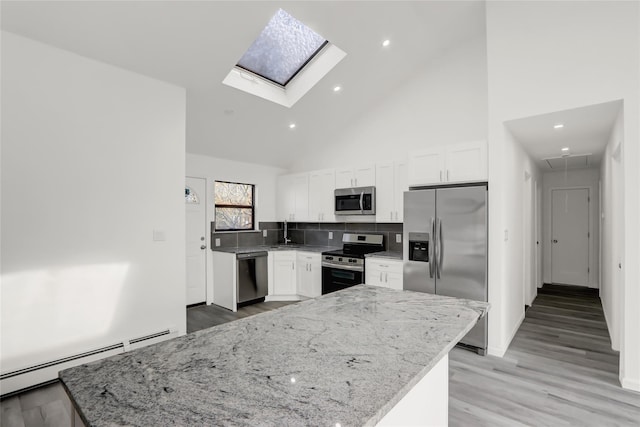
570	236
196	244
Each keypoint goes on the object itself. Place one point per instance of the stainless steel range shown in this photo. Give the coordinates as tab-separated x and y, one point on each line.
344	268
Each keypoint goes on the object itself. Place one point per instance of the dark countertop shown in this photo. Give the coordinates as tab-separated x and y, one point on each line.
346	357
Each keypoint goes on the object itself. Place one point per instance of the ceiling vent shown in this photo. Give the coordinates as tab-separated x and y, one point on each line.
574	161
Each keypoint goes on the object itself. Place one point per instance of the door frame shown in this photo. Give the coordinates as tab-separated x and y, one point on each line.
590	228
207	238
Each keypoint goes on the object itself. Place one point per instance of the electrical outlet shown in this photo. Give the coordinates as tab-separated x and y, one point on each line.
331	235
398	238
264	233
159	236
218	242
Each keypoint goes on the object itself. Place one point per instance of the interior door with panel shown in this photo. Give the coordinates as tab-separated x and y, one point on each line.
570	236
196	245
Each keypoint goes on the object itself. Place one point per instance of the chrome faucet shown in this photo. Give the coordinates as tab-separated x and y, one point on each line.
287	240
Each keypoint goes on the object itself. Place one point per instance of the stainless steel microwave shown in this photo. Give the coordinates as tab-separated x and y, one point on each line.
355	201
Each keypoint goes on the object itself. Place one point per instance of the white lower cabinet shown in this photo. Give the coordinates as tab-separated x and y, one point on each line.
282	273
383	272
309	274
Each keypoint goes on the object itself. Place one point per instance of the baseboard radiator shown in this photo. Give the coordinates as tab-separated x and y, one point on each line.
20	380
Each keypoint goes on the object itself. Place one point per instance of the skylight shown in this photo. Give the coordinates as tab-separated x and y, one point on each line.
282	49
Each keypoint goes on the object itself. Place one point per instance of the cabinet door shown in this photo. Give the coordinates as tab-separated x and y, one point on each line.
301	190
393	280
284	275
466	162
365	176
286	198
385	194
321	196
309	275
426	166
401	184
345	178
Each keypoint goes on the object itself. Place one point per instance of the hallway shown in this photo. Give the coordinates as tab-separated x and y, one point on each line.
559	370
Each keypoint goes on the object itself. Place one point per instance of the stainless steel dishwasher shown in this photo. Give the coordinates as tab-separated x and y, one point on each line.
252	276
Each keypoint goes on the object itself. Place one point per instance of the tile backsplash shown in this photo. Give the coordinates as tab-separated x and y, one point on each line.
308	233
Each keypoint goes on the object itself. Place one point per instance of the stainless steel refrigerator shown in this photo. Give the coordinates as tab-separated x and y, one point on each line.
445	247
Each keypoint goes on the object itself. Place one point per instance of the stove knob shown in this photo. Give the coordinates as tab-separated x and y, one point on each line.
328	258
339	259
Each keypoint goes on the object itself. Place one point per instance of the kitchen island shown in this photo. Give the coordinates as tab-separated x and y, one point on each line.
343	359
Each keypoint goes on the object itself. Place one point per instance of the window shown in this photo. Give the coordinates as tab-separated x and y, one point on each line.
282	49
234	206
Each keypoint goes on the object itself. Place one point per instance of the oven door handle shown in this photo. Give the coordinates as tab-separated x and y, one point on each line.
343	267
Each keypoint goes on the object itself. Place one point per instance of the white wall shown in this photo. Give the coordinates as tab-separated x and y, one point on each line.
612	224
445	102
581	178
552	56
92	164
212	169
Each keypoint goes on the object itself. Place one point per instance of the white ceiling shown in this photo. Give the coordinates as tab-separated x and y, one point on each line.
586	130
194	44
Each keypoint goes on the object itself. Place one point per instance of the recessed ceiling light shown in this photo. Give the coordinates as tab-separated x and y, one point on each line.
337	88
386	43
565	149
292	126
558	126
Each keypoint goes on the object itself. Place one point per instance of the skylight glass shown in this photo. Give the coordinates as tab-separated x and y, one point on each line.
283	48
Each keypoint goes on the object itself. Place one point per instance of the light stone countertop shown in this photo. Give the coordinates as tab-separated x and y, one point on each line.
385	255
346	357
281	247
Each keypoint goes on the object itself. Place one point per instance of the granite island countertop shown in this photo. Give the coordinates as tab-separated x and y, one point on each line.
346	357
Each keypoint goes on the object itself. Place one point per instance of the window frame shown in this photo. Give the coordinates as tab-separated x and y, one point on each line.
252	207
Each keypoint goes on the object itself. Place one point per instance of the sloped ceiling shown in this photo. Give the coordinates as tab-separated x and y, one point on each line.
195	44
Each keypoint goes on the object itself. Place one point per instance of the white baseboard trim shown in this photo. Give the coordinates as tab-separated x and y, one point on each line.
630	384
500	351
614	339
282	298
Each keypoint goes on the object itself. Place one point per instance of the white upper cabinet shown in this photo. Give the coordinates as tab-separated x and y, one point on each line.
363	176
293	197
451	163
467	162
321	201
391	183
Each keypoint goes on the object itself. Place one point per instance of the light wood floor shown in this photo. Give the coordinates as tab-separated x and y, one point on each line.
559	371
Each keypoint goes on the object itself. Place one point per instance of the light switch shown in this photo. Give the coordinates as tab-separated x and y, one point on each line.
331	235
398	238
159	236
218	242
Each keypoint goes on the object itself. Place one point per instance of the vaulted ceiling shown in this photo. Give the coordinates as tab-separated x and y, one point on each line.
194	44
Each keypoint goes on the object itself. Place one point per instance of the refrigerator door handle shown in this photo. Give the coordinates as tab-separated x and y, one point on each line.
441	252
437	236
431	247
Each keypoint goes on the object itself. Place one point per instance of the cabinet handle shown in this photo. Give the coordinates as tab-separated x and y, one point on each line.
386	277
391	216
396	215
381	277
293	267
